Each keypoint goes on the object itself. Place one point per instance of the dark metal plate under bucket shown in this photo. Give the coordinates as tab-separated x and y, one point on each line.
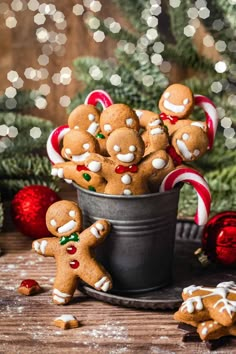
138	253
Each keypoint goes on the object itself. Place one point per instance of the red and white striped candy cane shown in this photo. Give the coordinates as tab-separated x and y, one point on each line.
99	96
53	144
211	115
191	176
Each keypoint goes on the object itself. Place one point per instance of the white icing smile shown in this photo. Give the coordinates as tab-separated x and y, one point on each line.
93	128
173	107
70	225
125	157
79	158
183	149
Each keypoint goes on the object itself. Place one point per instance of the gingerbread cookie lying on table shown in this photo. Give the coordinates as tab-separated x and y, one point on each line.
77	146
176	104
71	249
211	310
126	171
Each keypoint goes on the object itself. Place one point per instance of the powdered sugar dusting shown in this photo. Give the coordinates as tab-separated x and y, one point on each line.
111	330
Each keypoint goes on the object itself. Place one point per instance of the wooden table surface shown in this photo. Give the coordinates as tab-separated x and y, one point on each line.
26	322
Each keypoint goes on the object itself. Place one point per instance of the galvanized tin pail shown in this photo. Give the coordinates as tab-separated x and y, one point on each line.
138	253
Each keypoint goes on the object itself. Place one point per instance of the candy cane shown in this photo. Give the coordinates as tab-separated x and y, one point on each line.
53	144
193	177
99	96
211	115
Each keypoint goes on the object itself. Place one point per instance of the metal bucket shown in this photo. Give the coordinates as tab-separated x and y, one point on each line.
138	253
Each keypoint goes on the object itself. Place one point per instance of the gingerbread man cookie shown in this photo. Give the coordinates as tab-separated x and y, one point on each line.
85	117
176	104
71	249
77	146
125	171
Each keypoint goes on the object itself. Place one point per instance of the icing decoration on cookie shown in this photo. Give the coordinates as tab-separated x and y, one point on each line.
122	169
99	96
53	144
29	283
173	154
172	119
211	115
194	178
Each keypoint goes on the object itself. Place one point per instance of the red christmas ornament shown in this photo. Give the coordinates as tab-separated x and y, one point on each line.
219	238
29	207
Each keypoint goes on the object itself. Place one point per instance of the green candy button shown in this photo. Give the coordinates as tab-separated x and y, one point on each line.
86	176
100	136
91	188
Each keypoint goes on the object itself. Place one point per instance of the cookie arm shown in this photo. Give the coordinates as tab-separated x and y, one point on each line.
46	246
96	233
156	162
99	165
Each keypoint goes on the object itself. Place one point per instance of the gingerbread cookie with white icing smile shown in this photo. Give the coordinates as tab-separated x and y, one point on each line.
126	171
71	249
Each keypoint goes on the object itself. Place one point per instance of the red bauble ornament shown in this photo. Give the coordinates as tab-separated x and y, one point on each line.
219	238
29	207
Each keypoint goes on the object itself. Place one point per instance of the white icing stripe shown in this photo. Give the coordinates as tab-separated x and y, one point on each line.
154	123
80	158
156	131
59	293
94	232
173	107
93	128
99	226
60	172
36	246
204	331
158	163
65	318
43	246
183	149
59	299
99	283
105	286
125	157
67	227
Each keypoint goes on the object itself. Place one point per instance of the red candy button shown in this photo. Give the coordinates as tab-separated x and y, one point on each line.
71	250
28	283
74	264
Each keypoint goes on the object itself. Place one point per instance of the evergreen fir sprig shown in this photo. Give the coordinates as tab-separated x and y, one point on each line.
23	142
9	187
24	100
20	165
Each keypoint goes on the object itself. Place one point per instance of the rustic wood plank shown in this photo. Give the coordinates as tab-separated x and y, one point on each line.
26	322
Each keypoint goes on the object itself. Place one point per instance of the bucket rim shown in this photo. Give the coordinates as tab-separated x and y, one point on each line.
176	189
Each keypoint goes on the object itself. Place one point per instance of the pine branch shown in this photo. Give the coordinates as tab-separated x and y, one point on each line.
24	100
19	166
23	141
8	187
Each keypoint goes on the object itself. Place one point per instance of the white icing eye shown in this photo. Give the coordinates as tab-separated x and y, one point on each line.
196	152
72	213
107	127
53	223
132	148
76	127
116	148
185	136
129	122
166	95
86	146
68	151
186	101
91	117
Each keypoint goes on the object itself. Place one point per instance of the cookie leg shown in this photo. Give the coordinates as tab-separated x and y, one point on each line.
94	275
64	288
